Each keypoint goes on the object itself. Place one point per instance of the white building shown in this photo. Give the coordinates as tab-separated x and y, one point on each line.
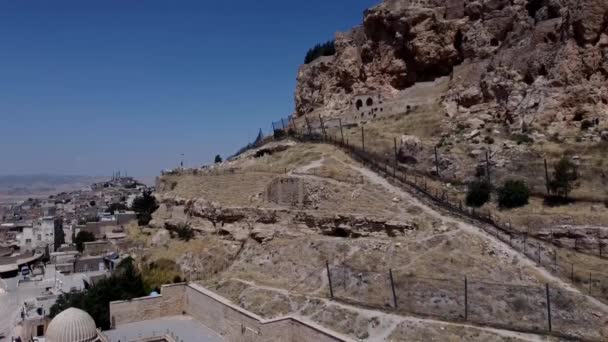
38	236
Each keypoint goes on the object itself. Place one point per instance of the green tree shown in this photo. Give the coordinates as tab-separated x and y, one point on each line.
513	194
565	175
218	159
114	207
124	284
81	238
479	193
144	206
59	233
319	50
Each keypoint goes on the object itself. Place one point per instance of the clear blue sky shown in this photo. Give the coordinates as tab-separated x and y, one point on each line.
91	86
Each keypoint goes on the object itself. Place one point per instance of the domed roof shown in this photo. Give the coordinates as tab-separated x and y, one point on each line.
72	325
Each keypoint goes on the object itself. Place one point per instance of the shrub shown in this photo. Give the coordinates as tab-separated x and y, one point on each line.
319	50
185	233
479	193
565	175
124	284
218	159
513	194
144	206
114	207
586	124
81	238
522	139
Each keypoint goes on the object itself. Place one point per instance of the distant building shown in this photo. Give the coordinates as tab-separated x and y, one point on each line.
39	236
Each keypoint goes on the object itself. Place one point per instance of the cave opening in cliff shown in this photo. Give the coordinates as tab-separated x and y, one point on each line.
533	6
369	102
359	104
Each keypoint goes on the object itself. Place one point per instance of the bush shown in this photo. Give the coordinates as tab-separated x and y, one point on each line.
184	233
513	194
319	50
81	238
124	284
158	273
565	175
218	159
144	206
522	139
586	124
114	207
479	193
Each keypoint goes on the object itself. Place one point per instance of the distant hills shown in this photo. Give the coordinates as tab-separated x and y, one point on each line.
14	188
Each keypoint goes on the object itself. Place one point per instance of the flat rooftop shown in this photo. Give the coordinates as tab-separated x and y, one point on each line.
179	328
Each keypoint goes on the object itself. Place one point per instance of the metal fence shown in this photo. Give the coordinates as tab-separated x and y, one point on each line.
542	250
536	309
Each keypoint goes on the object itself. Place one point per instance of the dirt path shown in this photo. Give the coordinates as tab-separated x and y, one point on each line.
498	244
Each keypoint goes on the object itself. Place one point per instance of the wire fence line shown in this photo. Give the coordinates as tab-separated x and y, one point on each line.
536	309
420	180
545	252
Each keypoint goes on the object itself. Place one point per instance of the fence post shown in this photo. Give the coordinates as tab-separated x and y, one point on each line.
548	306
572	273
293	123
322	127
488	167
390	273
466	298
547	178
331	288
308	124
363	138
341	131
555	261
396	154
437	163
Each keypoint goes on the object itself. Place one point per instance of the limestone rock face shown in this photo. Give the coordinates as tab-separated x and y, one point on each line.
524	61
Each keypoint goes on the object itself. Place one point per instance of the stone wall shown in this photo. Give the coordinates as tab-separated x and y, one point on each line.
220	315
97	248
287	191
146	308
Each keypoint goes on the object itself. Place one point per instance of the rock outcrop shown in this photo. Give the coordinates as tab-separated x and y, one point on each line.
524	62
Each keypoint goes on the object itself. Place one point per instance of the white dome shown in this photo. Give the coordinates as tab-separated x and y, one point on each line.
72	325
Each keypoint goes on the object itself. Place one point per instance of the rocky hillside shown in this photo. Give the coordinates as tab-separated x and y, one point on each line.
528	65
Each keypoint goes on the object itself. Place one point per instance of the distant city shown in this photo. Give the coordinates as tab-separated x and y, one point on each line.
59	244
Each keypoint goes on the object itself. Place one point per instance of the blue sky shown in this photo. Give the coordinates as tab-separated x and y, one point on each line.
87	87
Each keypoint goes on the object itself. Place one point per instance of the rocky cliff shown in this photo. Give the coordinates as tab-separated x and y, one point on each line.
523	63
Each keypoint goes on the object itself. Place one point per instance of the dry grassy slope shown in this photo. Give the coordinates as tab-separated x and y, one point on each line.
429	121
286	273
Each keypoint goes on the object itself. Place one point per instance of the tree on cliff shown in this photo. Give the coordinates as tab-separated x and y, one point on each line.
218	159
319	50
565	175
144	206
